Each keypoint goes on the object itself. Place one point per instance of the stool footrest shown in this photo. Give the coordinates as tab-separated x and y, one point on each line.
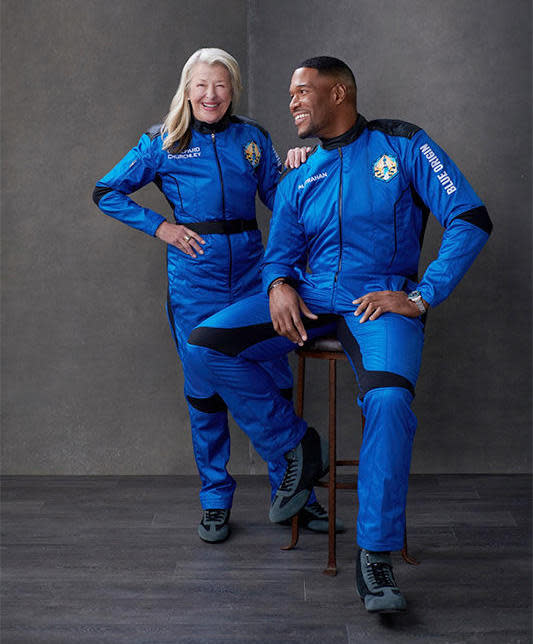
338	486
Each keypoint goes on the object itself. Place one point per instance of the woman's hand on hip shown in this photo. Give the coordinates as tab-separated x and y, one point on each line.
181	237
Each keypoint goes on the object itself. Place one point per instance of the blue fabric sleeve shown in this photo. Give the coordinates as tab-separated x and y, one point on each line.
132	172
449	196
286	243
269	172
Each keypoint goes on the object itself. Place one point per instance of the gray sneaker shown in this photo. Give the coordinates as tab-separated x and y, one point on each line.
306	463
214	526
376	585
315	518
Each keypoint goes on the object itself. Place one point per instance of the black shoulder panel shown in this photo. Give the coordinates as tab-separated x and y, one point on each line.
394	128
235	118
289	170
285	174
154	131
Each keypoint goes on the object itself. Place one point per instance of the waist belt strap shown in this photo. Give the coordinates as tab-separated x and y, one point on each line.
229	227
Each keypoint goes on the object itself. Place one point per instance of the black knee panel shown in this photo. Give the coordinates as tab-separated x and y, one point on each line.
211	405
368	380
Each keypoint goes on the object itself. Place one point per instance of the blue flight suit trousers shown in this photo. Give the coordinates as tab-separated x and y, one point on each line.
209	417
230	348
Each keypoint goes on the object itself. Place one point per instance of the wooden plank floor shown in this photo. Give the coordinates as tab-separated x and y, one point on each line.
117	560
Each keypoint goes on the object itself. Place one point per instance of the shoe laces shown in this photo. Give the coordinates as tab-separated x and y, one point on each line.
381	574
214	515
316	509
290	473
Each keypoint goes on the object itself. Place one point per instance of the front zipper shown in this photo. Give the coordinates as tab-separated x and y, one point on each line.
223	206
395	238
179	195
340	220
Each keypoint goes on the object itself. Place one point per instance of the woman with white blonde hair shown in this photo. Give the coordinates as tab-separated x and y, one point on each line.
209	164
178	120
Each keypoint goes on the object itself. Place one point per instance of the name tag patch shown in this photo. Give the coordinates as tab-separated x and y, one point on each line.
190	153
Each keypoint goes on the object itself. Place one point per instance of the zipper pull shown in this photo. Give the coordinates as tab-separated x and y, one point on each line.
213	136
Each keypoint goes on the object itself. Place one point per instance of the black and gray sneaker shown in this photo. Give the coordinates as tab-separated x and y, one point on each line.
214	526
306	463
315	518
376	585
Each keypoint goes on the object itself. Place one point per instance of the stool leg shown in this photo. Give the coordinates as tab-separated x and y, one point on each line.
300	384
405	553
295	533
331	568
295	528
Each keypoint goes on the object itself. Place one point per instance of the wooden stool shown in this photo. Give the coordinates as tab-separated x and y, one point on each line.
329	348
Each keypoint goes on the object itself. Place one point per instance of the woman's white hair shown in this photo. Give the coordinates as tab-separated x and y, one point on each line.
177	122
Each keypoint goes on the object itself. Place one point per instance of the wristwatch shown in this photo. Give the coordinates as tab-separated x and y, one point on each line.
416	297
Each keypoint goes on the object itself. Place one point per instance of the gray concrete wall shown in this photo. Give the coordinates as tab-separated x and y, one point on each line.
91	379
91	383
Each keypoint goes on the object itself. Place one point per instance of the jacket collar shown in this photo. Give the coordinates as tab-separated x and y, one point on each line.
348	137
209	128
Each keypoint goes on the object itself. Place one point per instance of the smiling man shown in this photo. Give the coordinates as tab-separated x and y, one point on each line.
355	213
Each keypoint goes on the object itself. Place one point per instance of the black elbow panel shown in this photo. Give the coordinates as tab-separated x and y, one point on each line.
478	217
99	192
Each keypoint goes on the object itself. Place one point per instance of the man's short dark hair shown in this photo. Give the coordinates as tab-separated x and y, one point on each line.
332	67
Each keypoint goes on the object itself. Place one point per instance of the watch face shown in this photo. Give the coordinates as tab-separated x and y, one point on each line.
416	298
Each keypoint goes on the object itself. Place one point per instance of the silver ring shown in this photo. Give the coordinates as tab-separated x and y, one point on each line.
187	237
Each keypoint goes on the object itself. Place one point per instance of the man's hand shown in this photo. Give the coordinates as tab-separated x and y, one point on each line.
297	156
285	308
378	302
181	237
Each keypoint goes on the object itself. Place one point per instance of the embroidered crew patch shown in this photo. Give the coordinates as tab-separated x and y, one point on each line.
252	153
386	167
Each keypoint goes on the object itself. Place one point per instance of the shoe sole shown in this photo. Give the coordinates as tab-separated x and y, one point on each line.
208	538
276	515
381	611
387	611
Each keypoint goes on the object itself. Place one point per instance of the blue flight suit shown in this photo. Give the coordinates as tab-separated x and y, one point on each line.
211	187
357	212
